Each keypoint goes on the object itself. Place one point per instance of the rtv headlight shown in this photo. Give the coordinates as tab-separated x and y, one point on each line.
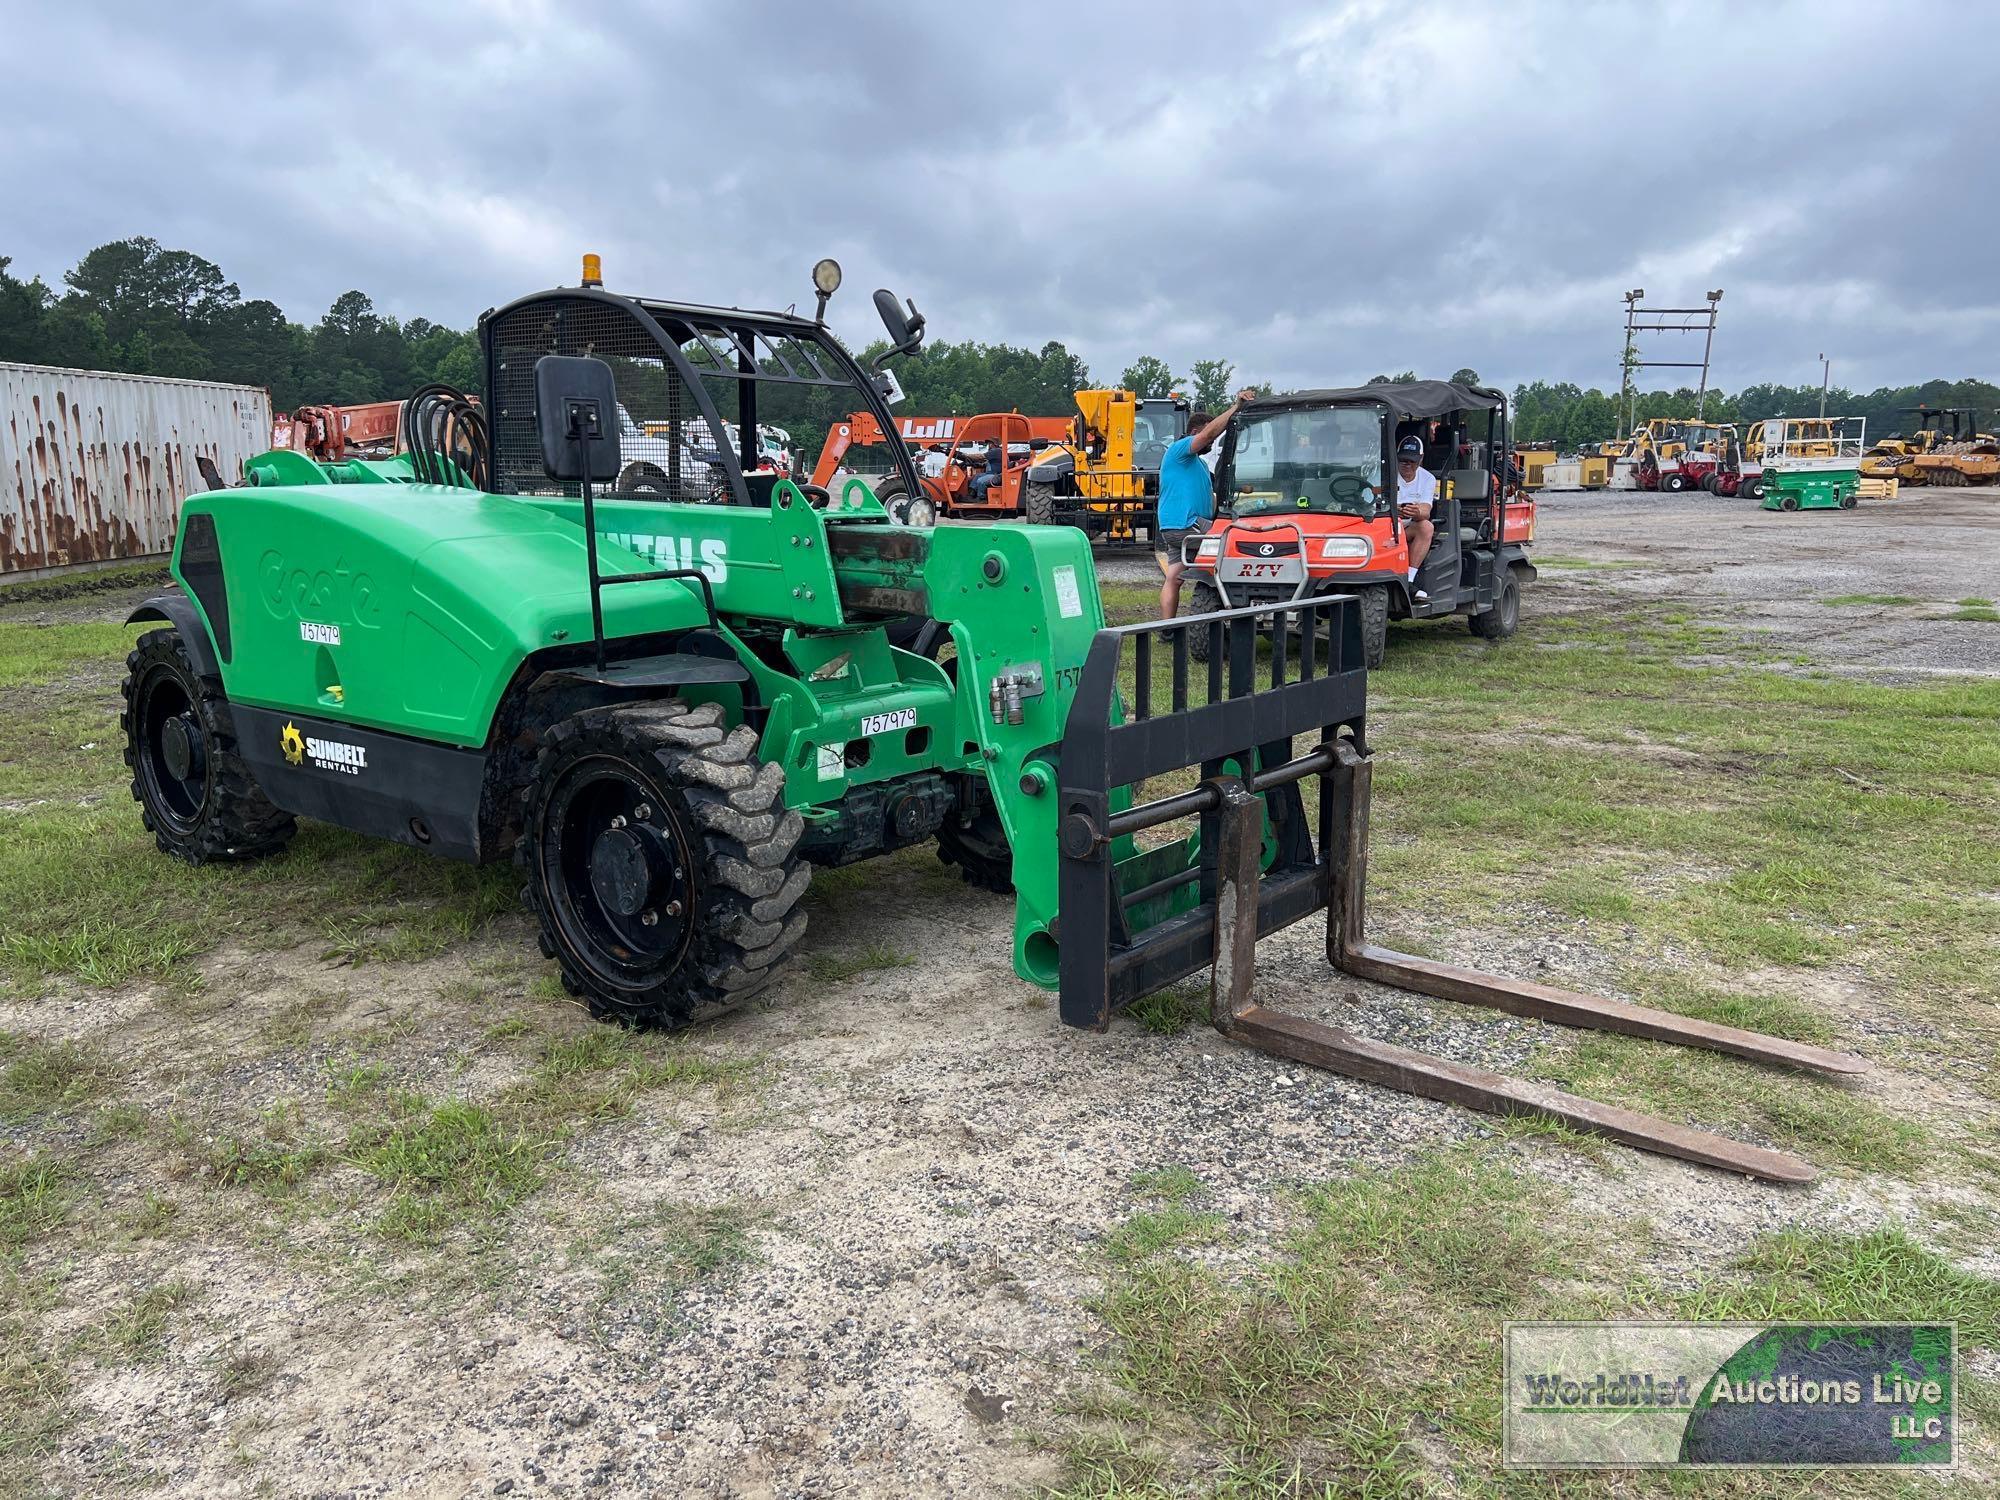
1211	546
1347	548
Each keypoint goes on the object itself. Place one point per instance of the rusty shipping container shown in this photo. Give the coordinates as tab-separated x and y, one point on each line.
94	465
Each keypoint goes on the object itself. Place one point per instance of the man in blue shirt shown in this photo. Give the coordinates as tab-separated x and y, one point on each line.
1187	497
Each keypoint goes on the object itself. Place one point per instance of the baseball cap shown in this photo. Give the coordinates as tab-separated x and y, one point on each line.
1411	447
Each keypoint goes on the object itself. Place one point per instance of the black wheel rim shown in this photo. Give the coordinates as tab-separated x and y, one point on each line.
616	861
171	753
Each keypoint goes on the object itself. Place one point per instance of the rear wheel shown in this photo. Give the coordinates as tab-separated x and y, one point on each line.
1849	500
1038	503
1374	601
1753	488
1790	502
196	795
661	861
1504	618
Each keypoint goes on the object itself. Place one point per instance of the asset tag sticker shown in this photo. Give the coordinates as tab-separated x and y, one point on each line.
898	718
1069	601
319	635
833	761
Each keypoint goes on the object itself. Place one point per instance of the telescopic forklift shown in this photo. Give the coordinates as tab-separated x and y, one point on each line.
667	714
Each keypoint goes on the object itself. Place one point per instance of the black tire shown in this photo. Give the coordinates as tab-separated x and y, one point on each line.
980	852
643	480
895	497
1790	502
1203	600
1849	500
195	793
1673	482
1753	488
636	811
1038	503
1374	601
1504	618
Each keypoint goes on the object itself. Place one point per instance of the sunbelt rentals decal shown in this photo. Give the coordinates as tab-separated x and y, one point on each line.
325	755
709	554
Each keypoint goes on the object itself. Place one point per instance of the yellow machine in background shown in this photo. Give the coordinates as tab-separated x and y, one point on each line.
1534	460
1807	437
1108	473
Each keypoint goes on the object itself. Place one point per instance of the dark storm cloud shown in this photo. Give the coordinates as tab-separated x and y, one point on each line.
1316	192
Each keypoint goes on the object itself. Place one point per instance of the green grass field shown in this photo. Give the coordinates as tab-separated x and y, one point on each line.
1731	836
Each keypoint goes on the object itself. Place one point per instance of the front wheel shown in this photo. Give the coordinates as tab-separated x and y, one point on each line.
899	505
1674	483
1203	600
1038	503
1504	618
1790	502
195	793
661	861
1374	601
1754	489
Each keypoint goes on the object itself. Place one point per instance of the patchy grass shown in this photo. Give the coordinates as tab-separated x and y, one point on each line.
1886	600
45	1077
1974	603
1981	616
1880	1277
1380	1311
836	968
1170	1012
1587	564
1363	1356
137	1331
35	1196
449	1164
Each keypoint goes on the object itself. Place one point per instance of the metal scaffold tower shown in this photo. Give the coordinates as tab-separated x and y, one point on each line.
1688	320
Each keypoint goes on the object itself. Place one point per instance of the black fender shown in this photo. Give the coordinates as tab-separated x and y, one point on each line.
1514	555
177	610
1052	469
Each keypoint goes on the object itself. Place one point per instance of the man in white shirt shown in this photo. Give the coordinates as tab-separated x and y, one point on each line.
1416	492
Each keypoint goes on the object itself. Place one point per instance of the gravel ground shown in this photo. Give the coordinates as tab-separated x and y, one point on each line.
925	1176
1768	574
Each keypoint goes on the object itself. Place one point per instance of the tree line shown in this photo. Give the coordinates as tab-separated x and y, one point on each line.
137	307
1569	416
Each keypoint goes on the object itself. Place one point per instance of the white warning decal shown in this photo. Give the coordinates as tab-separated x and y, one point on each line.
1069	601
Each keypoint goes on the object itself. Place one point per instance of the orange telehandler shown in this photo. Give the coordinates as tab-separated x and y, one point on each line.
970	466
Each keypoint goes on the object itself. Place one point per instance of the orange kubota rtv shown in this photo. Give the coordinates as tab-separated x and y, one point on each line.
1307	485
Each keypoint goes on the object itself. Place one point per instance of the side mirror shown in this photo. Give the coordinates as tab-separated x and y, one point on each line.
906	332
576	417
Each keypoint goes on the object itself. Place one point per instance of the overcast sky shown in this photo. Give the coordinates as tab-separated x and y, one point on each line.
1316	192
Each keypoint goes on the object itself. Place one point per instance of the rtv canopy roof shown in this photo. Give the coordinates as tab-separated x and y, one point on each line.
1405	399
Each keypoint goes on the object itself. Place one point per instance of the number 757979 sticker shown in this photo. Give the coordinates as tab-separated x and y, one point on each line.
899	718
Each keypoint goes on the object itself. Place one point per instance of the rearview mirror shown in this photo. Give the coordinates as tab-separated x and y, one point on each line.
906	332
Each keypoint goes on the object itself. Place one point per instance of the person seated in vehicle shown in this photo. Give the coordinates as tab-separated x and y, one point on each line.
1187	497
996	453
1416	493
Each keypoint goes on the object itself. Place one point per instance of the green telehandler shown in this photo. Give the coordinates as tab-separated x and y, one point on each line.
668	713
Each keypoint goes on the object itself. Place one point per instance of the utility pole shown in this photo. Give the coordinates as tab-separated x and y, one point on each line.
1825	370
